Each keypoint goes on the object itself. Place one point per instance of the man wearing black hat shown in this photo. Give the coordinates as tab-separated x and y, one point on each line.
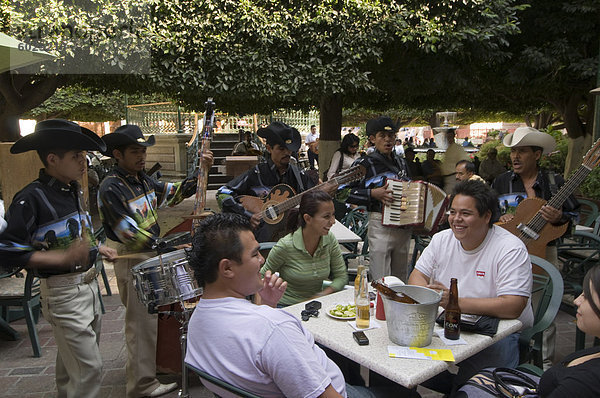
128	199
388	246
282	140
51	206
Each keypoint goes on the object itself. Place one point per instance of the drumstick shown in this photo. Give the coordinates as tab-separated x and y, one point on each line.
142	256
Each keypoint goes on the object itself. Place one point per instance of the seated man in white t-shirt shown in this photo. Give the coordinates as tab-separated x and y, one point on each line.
492	267
259	348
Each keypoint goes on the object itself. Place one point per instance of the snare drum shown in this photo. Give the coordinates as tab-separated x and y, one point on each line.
171	282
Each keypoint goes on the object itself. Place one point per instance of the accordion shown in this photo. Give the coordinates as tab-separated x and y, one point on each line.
418	204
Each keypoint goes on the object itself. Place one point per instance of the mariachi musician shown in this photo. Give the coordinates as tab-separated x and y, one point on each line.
50	233
528	180
127	200
282	141
388	246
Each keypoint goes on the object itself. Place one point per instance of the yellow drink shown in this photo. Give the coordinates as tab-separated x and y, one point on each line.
362	316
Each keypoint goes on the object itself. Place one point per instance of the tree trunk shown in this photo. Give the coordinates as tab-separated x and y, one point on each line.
575	131
19	94
330	121
9	128
540	120
575	154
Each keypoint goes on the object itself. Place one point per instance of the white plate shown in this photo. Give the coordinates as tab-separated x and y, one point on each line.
344	318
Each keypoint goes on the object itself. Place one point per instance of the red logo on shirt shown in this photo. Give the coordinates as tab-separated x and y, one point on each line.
480	274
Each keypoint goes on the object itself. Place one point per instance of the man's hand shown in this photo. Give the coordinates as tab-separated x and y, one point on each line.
77	254
207	159
108	253
435	285
506	217
383	195
550	214
273	289
255	220
330	187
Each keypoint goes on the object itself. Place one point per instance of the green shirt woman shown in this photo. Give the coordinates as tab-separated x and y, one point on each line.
310	254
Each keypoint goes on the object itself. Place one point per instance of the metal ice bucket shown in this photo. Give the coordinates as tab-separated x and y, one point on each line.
411	325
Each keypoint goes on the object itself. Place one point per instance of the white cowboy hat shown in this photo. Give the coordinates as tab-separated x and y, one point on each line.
528	136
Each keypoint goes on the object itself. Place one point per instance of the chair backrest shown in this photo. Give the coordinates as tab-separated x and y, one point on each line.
588	212
219	387
578	254
546	296
357	221
421	242
547	290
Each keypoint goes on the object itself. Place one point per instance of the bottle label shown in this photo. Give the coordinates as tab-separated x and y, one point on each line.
452	326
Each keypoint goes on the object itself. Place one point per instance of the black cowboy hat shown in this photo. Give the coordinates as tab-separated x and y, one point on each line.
282	134
128	134
382	123
59	134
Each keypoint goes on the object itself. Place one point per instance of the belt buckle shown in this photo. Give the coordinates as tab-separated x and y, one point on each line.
90	275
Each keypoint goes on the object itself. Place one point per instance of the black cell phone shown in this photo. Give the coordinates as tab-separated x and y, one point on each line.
313	305
361	338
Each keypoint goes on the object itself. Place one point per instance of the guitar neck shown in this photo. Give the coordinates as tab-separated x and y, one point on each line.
569	187
538	222
350	175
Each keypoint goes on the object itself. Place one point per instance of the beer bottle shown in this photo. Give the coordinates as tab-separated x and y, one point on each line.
452	314
362	301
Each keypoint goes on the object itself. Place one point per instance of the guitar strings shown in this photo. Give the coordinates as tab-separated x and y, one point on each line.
292	202
538	222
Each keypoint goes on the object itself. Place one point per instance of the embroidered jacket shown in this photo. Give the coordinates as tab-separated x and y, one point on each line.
45	215
128	206
378	171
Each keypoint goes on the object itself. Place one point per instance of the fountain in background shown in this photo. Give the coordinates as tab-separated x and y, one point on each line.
445	121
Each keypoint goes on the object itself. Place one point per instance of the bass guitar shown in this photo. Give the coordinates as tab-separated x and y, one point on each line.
528	223
273	207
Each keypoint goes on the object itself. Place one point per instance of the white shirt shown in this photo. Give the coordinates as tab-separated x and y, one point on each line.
499	266
346	160
2	220
311	137
399	149
261	349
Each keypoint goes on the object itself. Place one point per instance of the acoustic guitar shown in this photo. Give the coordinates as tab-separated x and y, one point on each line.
273	207
528	223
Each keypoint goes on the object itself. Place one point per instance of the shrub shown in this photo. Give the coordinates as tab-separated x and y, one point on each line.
590	187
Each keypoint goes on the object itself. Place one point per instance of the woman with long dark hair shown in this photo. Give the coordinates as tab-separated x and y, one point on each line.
579	373
344	157
310	254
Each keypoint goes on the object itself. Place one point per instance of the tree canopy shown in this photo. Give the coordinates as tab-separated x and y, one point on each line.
260	55
294	53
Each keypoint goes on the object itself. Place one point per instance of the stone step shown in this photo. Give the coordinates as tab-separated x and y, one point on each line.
226	137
